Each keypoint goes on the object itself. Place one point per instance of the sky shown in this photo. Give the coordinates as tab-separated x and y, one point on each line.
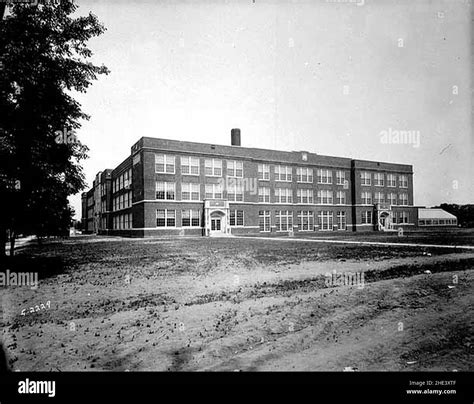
333	77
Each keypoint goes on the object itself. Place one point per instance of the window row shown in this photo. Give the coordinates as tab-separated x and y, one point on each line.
379	180
437	222
122	201
122	181
121	222
192	218
379	197
305	220
166	164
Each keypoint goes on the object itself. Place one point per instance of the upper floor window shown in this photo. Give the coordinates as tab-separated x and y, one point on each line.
378	179
165	190
164	163
324	176
365	178
264	172
213	191
264	195
391	180
283	195
392	198
283	173
189	165
340	198
403	181
235	169
403	198
366	198
304	174
235	192
304	195
340	177
325	197
213	167
379	197
190	191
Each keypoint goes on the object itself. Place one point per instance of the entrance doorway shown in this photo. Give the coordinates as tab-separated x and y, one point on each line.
215	224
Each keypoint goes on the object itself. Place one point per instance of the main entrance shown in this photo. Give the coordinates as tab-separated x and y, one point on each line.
216	217
384	217
215	224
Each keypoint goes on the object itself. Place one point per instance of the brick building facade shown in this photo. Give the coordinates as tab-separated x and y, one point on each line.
169	187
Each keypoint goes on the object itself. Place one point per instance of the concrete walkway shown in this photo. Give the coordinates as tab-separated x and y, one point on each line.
380	243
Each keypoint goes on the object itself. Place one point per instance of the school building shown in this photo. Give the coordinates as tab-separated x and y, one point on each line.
169	187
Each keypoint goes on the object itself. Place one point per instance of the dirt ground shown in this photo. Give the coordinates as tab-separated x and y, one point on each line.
238	304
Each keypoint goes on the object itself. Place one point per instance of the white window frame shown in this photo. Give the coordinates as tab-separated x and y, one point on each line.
325	197
263	172
305	196
340	197
366	198
341	218
366	217
190	162
403	199
215	165
193	214
325	220
379	197
283	173
263	195
340	177
168	187
308	216
216	190
191	188
284	220
233	168
379	180
391	180
324	176
403	181
233	214
264	218
283	195
365	178
304	175
168	160
167	217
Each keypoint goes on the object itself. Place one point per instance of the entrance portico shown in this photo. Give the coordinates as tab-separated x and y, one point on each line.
384	217
216	217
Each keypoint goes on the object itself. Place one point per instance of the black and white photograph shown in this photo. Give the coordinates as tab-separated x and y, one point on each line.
235	186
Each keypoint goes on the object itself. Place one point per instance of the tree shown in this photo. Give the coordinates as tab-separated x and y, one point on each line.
43	59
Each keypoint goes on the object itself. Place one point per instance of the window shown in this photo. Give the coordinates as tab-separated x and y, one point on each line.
391	180
213	168
236	217
190	191
264	220
305	220
340	177
189	166
403	181
365	178
120	182
263	172
325	220
284	220
125	179
341	220
340	198
283	195
324	176
166	218
403	198
367	217
379	197
304	195
165	190
392	198
235	169
378	180
235	192
304	174
213	191
325	197
190	218
366	198
164	163
264	195
283	173
402	217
